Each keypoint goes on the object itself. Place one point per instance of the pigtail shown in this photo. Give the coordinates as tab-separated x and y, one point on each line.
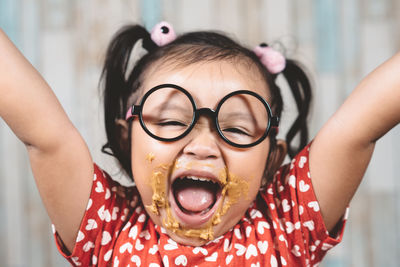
301	89
117	86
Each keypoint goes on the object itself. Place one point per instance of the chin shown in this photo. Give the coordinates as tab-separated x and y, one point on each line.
197	204
179	234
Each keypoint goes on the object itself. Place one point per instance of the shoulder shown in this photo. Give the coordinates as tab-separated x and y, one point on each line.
110	207
292	204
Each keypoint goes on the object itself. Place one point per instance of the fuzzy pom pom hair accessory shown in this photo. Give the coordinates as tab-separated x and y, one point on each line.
272	59
163	33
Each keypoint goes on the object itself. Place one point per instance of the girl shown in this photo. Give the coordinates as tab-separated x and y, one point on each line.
193	120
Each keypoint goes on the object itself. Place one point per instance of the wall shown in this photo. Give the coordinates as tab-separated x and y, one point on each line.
338	41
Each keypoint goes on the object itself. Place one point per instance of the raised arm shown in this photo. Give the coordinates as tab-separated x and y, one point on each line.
341	151
60	160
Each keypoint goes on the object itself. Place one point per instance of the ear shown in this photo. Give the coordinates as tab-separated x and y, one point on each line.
276	157
280	153
122	130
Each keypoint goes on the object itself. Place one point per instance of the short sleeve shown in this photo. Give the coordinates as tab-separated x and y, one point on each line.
292	197
109	207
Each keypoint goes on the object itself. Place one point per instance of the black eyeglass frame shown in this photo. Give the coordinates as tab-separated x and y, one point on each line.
136	110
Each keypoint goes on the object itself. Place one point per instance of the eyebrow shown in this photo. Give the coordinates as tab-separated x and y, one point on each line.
169	106
240	115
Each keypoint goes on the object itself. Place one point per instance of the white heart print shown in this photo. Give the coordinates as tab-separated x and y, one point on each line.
283	261
228	259
203	251
127	225
94	259
262	246
181	260
302	161
165	261
142	218
296	251
99	187
114	213
153	250
301	209
108	254
309	225
106	238
227	246
213	257
133	232
90	202
76	261
255	214
240	249
171	245
136	259
104	214
126	247
248	231
285	205
314	205
92	224
270	191
108	194
116	262
273	262
261	225
292	181
138	245
80	237
88	246
145	234
289	227
283	239
303	186
237	233
251	251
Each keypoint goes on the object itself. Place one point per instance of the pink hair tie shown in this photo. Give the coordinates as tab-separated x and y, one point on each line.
272	59
163	33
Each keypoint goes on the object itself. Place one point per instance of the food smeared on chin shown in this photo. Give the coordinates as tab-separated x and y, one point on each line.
194	203
150	157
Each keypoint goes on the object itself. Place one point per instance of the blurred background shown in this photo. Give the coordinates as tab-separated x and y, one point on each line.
339	41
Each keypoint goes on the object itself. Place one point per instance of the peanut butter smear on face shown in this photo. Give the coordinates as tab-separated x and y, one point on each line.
233	188
150	157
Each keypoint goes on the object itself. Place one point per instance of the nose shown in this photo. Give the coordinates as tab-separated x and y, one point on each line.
203	142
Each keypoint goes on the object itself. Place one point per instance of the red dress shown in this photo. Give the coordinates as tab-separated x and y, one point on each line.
283	227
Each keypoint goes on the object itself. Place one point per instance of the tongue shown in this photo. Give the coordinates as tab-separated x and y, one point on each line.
195	196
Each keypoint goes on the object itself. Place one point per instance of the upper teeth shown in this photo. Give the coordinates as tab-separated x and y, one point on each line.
199	178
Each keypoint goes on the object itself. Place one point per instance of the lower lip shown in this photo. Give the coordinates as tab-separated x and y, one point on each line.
193	219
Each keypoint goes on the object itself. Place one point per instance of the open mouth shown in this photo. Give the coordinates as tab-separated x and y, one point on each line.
194	199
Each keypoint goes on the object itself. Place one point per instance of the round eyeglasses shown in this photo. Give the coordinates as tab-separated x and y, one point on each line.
168	113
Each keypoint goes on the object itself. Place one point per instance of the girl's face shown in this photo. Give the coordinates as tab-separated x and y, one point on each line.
199	187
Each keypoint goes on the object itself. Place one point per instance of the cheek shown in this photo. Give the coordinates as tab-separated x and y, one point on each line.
255	162
141	161
147	155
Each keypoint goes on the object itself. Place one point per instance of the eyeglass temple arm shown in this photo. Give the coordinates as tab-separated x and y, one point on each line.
275	123
132	111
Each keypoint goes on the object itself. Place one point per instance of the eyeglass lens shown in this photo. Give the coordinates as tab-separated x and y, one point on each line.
168	113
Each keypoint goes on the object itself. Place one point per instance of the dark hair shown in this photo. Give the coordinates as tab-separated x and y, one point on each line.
187	49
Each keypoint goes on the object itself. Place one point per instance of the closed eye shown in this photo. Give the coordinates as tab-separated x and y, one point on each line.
171	123
236	131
